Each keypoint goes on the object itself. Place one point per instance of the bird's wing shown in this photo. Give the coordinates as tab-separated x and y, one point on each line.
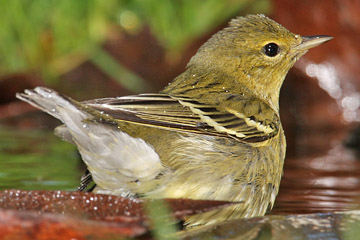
184	114
245	118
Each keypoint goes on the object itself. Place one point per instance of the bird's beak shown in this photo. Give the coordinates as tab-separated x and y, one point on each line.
312	41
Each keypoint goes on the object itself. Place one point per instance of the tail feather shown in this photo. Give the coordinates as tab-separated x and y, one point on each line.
56	105
45	99
113	157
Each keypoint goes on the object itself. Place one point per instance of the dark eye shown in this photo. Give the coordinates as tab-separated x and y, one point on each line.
271	49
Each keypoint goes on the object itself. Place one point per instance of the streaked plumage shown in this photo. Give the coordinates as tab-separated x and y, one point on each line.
213	133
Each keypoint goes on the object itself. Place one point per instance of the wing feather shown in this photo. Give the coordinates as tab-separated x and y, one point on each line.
184	114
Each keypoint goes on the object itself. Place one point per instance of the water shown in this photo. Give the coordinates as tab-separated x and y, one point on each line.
325	181
36	159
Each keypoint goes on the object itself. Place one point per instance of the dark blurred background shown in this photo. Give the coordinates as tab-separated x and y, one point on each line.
94	48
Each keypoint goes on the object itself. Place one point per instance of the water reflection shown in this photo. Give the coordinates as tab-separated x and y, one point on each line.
344	92
320	184
37	160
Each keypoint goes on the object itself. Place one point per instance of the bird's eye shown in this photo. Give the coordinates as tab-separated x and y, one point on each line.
271	49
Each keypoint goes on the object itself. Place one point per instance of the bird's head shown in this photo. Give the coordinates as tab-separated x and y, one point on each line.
257	52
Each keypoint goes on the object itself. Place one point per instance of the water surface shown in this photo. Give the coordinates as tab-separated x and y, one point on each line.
36	159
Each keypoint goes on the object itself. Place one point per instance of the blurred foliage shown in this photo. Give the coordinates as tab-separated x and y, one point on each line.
37	160
175	23
353	228
51	37
162	223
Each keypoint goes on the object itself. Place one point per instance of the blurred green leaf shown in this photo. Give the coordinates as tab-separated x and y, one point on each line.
110	66
352	225
36	33
51	37
163	226
176	23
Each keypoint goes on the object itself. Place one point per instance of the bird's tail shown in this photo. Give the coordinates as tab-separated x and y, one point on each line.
113	157
57	105
45	99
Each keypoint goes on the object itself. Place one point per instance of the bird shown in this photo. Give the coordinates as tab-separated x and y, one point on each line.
212	133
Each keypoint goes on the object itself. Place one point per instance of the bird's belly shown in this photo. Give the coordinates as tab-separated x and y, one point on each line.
203	167
224	169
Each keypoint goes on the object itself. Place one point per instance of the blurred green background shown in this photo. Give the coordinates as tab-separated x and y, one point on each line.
50	38
89	49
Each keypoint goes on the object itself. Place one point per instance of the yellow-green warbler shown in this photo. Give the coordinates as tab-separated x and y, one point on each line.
213	133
